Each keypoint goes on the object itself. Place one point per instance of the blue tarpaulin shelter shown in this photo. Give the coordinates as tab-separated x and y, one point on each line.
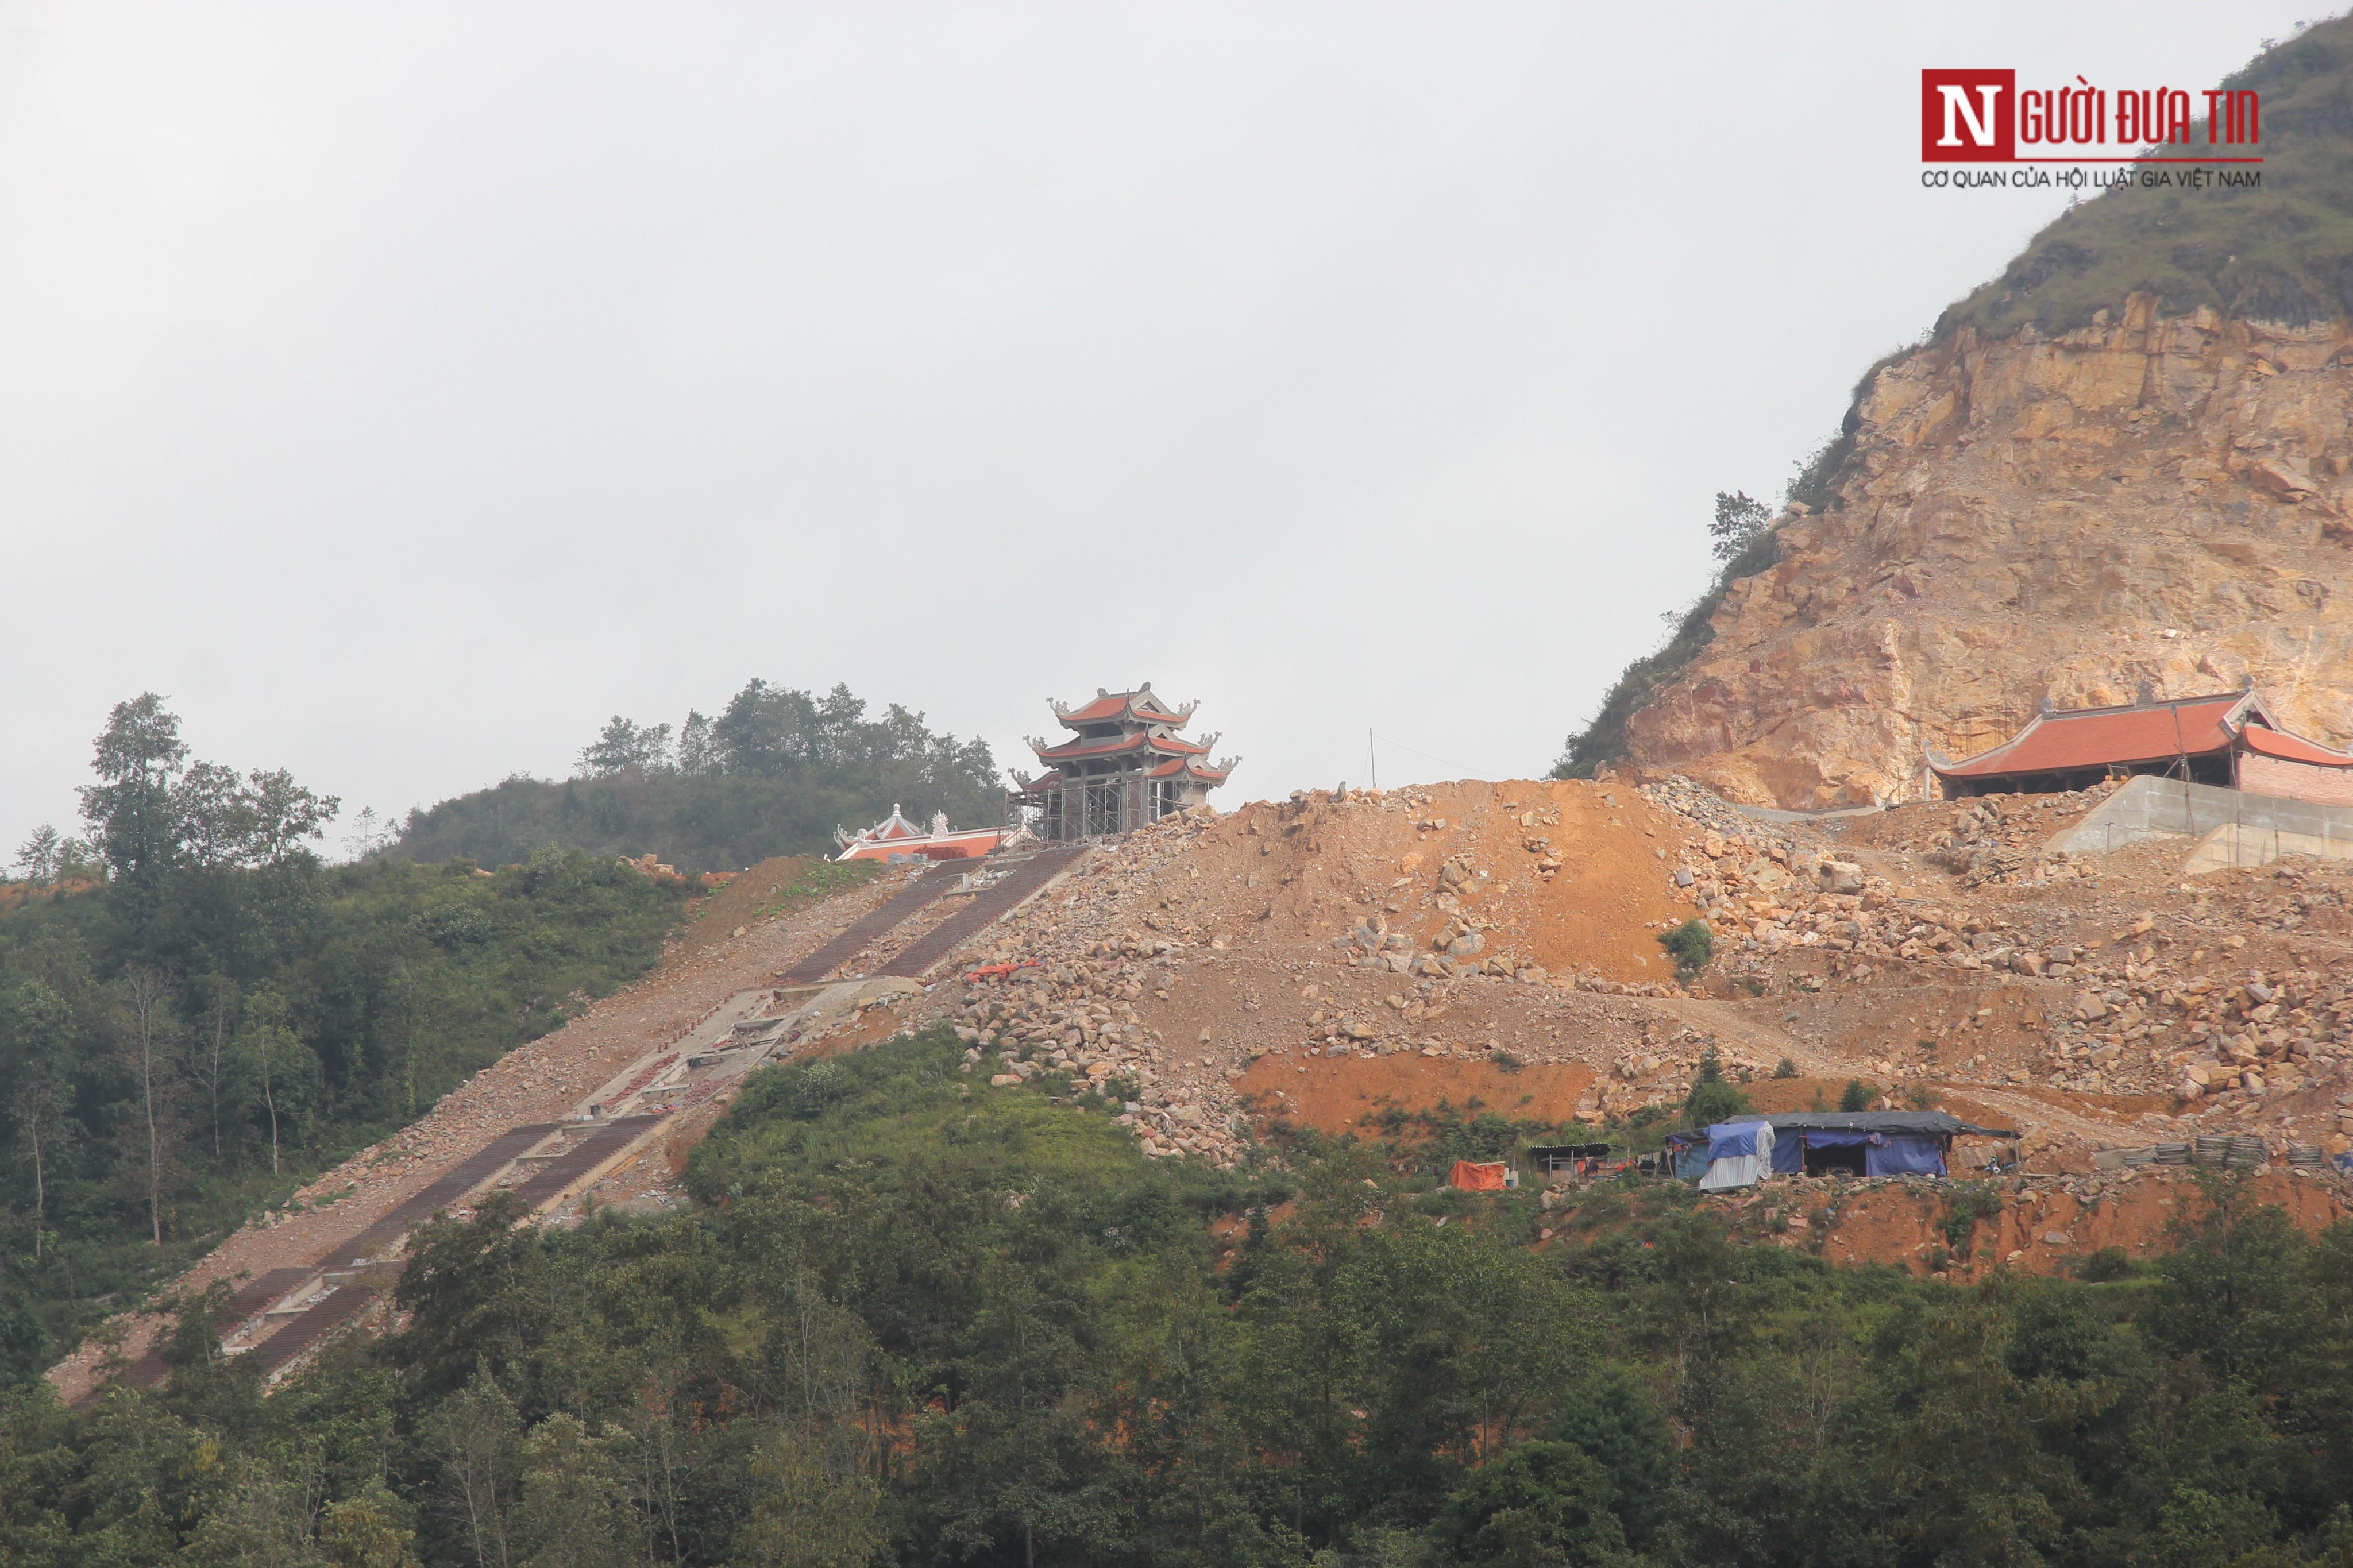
1740	1154
1731	1140
1867	1142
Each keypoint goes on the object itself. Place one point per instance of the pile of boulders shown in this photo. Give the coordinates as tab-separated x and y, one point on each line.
2266	1032
1711	812
1076	1020
1087	956
1995	839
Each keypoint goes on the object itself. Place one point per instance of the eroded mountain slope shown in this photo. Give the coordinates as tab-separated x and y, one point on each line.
2029	518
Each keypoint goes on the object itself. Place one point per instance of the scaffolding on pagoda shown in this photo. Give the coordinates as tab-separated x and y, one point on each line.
1125	765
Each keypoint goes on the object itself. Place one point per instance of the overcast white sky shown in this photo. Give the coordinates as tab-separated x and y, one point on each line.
403	389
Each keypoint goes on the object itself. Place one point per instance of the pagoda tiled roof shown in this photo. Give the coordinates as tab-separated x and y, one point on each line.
1193	765
2073	738
2293	748
1142	705
1113	745
894	826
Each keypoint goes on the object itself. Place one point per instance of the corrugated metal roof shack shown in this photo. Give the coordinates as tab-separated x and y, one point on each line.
1571	1162
1824	1143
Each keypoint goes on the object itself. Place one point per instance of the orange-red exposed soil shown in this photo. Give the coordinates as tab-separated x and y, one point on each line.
2044	1230
1337	1094
1596	913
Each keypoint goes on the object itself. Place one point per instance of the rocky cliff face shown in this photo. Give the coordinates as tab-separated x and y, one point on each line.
2146	497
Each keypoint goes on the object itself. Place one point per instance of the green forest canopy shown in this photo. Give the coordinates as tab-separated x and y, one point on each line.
196	1015
774	773
911	1319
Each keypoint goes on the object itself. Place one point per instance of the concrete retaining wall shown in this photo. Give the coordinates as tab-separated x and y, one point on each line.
2234	844
2149	807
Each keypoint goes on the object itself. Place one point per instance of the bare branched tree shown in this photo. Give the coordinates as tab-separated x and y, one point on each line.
147	1033
210	1061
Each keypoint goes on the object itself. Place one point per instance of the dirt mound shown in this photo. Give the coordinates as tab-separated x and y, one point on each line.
1566	875
1348	1093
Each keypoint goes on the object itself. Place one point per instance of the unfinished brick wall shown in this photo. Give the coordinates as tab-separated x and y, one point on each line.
2295	780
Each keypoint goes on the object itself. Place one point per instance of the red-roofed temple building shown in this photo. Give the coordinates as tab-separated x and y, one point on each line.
896	838
2227	739
1125	764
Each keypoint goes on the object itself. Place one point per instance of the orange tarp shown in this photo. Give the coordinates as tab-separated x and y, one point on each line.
1477	1176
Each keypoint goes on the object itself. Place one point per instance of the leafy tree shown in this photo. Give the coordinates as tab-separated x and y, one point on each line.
280	817
2237	1289
280	1074
211	1062
774	773
1614	1419
1713	1097
696	751
626	747
34	1022
1855	1095
805	1516
372	834
1542	1504
574	1512
1691	945
213	820
1740	521
38	857
133	810
2199	1530
78	861
364	1532
476	1438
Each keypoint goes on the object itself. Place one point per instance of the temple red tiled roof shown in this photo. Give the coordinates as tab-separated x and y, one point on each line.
1142	705
1176	765
2097	737
1102	710
2293	748
1113	745
895	837
2085	739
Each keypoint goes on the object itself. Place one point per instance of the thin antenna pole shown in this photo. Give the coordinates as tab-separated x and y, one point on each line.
1372	756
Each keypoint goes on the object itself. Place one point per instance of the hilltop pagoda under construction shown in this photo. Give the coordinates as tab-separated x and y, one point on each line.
1125	765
